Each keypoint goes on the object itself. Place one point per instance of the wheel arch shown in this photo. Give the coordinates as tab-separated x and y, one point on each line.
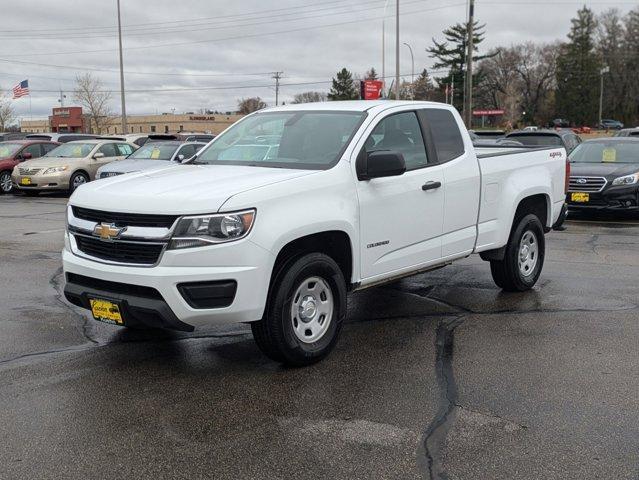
336	244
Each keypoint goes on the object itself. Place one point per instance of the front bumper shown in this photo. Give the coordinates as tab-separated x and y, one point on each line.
619	198
156	297
40	182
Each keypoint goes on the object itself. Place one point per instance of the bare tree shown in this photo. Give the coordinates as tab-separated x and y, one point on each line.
7	113
250	105
309	97
95	100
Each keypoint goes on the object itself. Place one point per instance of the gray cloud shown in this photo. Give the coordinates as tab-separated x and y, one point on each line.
237	38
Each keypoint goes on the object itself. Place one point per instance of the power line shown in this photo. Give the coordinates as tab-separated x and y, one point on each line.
348	8
242	36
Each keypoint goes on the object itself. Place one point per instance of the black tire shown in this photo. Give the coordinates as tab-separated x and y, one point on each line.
276	335
31	193
5	182
507	273
73	181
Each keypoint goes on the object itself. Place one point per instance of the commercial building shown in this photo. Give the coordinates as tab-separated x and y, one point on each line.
71	119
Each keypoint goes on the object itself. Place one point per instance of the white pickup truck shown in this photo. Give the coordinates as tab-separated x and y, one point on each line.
278	218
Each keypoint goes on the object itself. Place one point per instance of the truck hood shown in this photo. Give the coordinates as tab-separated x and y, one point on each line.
606	170
179	189
132	165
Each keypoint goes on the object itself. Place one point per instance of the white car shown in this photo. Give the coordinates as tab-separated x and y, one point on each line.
355	194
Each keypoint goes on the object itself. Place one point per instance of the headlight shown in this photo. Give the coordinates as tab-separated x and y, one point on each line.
211	229
56	169
627	180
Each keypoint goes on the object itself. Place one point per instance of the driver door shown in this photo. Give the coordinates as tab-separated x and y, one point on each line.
401	217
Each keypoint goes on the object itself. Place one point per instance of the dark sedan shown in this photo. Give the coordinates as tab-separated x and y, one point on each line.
546	138
605	175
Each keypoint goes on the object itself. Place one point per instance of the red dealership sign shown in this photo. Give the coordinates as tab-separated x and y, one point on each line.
372	89
487	113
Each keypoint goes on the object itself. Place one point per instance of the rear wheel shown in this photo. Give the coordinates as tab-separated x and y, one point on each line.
5	182
524	257
304	312
76	180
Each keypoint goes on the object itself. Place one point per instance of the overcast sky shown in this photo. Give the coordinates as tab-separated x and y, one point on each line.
208	53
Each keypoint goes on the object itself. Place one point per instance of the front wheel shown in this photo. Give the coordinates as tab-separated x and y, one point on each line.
524	257
304	312
5	182
76	180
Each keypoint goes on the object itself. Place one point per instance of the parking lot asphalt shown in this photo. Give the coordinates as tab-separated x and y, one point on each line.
436	376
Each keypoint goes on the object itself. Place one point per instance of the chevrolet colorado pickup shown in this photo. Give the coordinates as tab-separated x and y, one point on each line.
288	210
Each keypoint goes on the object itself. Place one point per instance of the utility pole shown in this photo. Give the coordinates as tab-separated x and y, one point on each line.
277	76
601	88
124	128
468	99
412	76
62	97
396	49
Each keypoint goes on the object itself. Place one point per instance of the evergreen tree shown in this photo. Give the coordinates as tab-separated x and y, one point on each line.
578	70
371	74
344	88
631	72
423	88
451	56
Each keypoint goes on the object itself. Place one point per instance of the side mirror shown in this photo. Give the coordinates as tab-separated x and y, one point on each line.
180	158
383	163
26	156
98	155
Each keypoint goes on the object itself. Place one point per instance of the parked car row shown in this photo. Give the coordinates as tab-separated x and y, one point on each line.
528	137
38	164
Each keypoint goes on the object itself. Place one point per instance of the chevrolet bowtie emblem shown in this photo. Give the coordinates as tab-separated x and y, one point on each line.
107	231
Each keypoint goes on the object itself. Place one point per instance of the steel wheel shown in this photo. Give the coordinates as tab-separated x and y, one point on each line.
5	182
312	309
528	253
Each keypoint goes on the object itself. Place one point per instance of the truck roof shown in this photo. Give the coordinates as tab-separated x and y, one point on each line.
348	105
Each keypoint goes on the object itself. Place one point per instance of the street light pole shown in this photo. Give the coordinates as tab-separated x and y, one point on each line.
384	50
396	49
412	77
601	88
124	128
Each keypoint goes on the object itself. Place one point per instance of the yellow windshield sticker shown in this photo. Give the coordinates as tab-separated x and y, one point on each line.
609	155
77	151
155	154
4	152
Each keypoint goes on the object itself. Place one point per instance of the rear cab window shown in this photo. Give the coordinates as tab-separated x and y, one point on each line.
447	140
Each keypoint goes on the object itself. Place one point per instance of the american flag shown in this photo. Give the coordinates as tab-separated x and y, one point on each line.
21	89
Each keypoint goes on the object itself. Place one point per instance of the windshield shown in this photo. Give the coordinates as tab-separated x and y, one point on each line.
8	149
606	152
537	140
305	140
155	151
72	150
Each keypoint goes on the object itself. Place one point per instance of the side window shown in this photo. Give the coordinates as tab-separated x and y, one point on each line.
108	149
447	138
124	149
34	150
48	147
187	150
400	133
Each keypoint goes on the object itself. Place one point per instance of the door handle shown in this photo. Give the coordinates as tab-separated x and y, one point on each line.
431	186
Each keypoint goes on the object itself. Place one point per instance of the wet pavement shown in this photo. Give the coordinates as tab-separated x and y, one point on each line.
437	376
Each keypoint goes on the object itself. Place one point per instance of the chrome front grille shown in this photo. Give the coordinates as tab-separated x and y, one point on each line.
130	239
28	171
109	174
587	184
